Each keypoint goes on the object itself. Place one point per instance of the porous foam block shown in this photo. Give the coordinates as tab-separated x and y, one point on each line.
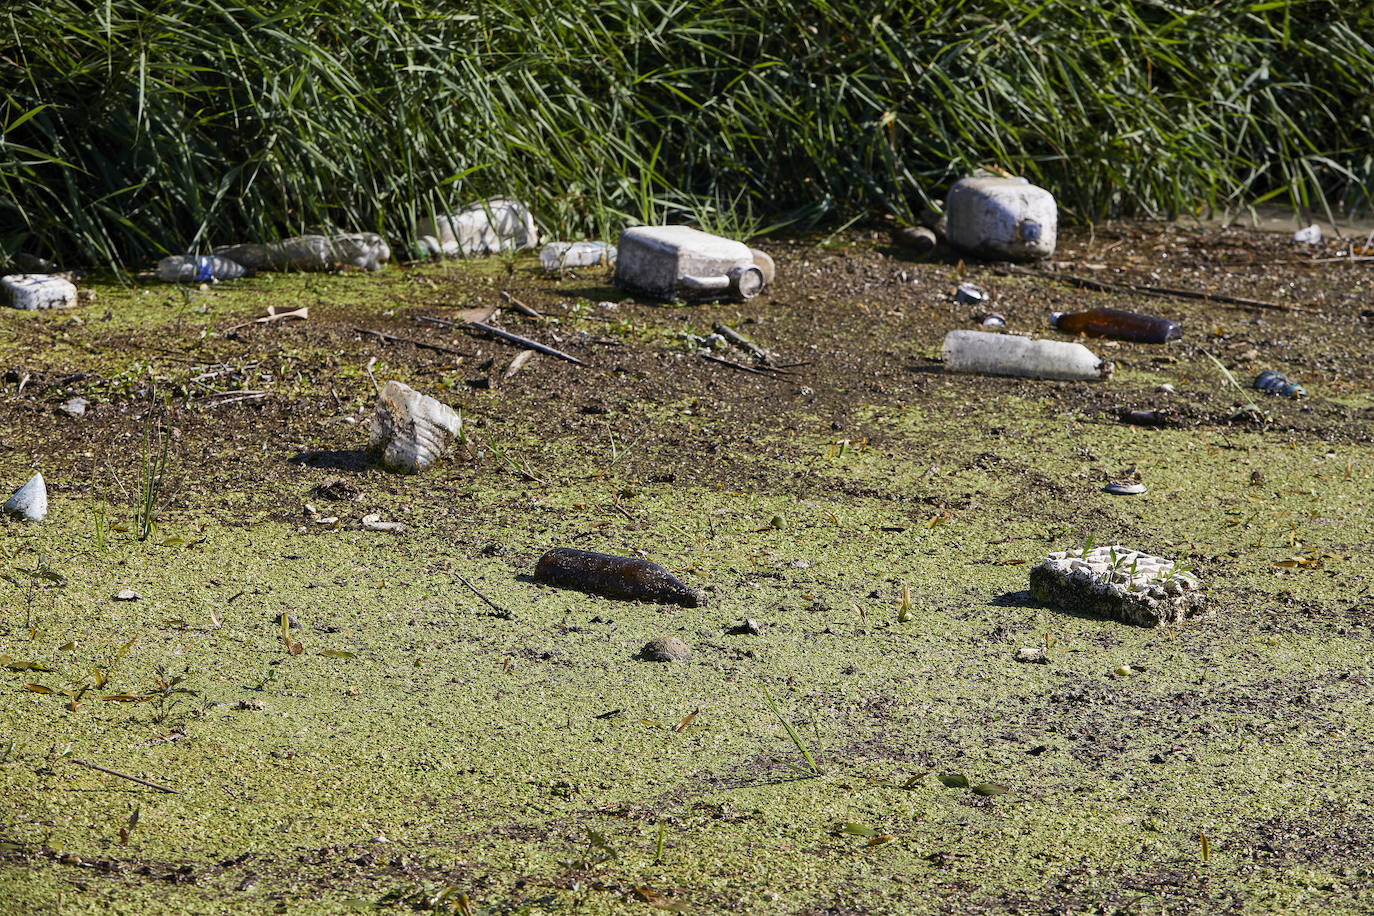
1118	583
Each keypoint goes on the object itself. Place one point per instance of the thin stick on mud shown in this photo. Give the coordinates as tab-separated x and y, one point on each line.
1161	291
523	341
739	340
505	614
770	373
141	782
520	306
414	343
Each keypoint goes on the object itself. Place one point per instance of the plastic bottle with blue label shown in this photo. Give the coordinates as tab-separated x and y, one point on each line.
183	268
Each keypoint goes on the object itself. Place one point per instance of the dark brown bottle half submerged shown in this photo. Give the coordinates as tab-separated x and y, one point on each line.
615	577
1117	325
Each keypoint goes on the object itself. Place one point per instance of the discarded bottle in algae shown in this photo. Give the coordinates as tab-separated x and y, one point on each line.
1117	325
1269	380
615	577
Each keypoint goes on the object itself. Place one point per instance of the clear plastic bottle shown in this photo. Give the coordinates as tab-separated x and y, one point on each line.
1117	325
564	255
198	269
1007	354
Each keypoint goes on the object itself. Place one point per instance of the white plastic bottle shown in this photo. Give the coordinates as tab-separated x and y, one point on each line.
198	269
1007	354
563	255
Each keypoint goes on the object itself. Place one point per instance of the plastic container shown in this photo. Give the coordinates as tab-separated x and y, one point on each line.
1007	354
1001	218
198	269
670	262
367	250
483	227
1117	325
38	291
563	255
1269	380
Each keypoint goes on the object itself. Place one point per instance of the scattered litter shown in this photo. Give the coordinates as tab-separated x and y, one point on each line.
968	294
670	262
919	239
484	227
410	430
1159	416
1125	488
1007	354
38	291
74	407
556	256
29	502
1117	583
375	523
1308	235
1165	388
198	269
518	363
666	649
1117	325
1271	381
992	320
127	594
251	705
1032	656
1001	218
615	577
367	250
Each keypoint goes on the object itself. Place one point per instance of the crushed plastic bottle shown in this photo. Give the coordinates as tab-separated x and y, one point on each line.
557	256
367	250
1271	381
1117	325
198	269
1007	354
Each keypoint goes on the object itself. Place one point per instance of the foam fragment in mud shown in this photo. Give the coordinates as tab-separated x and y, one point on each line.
1118	583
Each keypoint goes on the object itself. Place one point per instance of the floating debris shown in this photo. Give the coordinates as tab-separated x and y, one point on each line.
556	256
484	227
1032	656
126	594
37	291
1118	583
1125	488
1308	235
615	577
992	320
375	523
968	294
669	262
666	649
1001	218
1271	381
986	353
410	430
1117	325
74	407
29	502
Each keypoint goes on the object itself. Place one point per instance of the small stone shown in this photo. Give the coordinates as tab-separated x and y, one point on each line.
1257	479
747	627
1032	655
29	502
666	649
1124	488
127	594
252	705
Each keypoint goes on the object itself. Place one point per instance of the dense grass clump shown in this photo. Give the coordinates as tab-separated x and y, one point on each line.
137	127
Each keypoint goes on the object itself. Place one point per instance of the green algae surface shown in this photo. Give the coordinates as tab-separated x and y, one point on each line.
431	729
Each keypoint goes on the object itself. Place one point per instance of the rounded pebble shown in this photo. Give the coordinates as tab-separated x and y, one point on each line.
666	649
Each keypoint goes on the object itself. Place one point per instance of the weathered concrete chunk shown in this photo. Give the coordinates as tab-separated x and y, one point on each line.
1118	583
38	291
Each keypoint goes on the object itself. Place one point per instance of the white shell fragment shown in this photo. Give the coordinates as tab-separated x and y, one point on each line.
1124	488
1118	583
38	291
375	523
30	501
410	430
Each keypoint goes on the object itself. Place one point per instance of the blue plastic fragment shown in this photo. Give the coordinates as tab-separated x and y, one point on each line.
1271	381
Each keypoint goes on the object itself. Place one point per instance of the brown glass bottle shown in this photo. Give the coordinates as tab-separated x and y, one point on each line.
1117	325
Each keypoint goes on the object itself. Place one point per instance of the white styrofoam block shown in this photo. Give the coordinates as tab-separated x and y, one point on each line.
38	291
656	259
1001	218
1119	583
